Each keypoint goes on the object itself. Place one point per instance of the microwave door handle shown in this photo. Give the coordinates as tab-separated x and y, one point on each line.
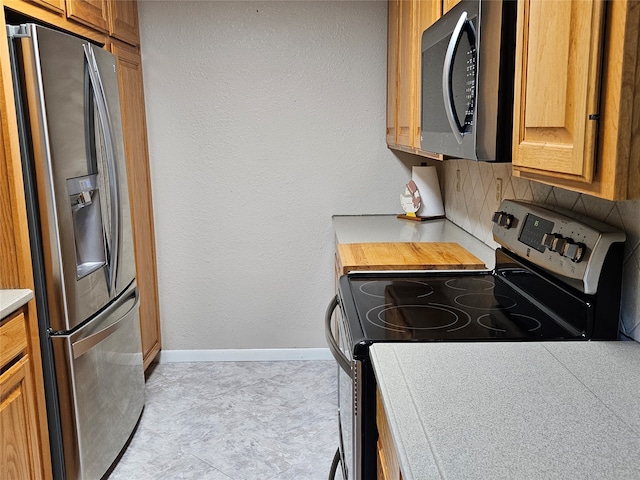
114	189
447	93
342	360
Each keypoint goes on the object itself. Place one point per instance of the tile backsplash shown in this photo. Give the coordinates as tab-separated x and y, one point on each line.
470	198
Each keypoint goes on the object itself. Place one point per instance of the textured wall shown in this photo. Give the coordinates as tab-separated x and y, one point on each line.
473	206
265	118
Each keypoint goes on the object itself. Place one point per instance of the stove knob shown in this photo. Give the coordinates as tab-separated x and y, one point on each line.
574	251
559	244
547	240
503	219
551	240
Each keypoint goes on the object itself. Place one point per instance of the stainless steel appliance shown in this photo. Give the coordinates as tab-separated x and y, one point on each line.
468	60
81	240
557	277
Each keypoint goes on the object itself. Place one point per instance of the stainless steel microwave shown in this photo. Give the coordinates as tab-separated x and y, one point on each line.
468	59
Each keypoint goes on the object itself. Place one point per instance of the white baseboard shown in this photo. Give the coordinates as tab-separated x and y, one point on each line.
244	355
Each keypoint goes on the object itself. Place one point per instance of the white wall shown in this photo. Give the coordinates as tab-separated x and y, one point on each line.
265	119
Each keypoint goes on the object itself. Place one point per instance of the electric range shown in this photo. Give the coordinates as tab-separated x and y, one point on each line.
558	276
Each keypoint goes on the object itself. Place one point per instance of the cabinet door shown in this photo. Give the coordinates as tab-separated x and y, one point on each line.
54	5
556	105
89	12
405	82
392	68
123	20
136	149
19	447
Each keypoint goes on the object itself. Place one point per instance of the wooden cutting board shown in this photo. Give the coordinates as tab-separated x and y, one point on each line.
405	256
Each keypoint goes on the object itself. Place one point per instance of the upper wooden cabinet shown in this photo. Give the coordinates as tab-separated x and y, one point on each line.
407	20
117	17
123	20
93	19
53	5
556	116
577	96
90	12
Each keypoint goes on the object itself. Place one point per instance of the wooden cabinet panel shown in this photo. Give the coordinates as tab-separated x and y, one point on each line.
558	55
392	68
18	439
388	464
123	20
136	148
13	338
555	141
407	20
405	81
22	453
24	438
54	5
89	12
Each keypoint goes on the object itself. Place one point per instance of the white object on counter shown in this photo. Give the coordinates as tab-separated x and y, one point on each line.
511	410
426	179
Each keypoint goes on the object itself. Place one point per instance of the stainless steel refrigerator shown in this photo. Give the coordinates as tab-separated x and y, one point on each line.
81	241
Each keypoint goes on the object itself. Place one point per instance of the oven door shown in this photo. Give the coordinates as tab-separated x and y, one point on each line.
339	342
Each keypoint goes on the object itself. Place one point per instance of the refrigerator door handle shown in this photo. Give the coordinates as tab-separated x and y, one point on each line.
83	346
114	189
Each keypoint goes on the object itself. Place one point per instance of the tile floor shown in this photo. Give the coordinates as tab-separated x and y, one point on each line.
235	421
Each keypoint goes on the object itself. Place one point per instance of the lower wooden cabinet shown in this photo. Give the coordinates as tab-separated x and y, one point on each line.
134	128
388	465
22	454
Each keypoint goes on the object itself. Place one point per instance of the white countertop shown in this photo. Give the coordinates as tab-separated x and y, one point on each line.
502	410
389	228
11	300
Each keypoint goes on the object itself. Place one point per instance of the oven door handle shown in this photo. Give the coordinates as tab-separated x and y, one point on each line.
342	360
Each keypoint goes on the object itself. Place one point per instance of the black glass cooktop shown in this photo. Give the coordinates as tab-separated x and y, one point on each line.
449	308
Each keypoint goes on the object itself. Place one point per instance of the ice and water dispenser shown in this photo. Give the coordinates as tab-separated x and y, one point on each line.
88	227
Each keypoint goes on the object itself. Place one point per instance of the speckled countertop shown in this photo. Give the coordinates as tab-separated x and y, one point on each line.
388	228
11	300
552	410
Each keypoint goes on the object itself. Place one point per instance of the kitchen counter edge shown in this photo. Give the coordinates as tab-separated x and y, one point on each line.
12	299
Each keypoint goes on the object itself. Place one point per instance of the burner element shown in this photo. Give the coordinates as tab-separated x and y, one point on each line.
469	283
518	320
407	288
405	318
485	301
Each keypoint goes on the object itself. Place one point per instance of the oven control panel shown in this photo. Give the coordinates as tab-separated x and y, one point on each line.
564	243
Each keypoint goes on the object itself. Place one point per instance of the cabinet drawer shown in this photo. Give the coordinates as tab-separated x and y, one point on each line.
13	337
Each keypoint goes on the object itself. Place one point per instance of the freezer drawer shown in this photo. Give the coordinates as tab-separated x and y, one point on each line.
102	387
